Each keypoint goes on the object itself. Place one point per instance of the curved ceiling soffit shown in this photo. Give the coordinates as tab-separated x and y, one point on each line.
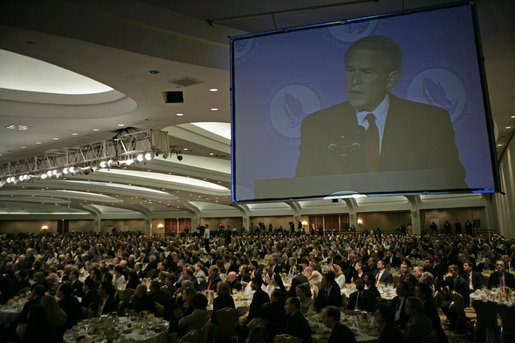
34	199
61	194
158	183
106	188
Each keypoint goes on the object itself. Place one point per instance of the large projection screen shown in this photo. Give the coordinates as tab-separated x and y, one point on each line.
394	104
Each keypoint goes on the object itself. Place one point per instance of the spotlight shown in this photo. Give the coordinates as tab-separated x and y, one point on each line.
49	173
43	176
72	170
140	157
20	178
103	164
65	171
109	163
54	172
148	156
179	157
129	161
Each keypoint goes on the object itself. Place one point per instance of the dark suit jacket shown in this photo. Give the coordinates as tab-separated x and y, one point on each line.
396	303
299	279
509	280
326	297
409	142
385	278
297	325
366	303
390	333
73	310
222	301
477	279
276	316
212	282
258	300
341	333
77	288
459	286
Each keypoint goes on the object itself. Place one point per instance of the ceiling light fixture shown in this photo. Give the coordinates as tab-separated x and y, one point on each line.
96	130
508	127
148	156
214	109
38	143
121	125
17	127
213	89
75	134
179	114
55	138
140	157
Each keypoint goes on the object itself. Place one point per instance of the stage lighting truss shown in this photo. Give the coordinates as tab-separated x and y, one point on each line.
122	151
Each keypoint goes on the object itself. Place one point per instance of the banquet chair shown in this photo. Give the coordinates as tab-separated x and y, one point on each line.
431	338
459	305
284	338
191	337
344	301
159	309
486	318
226	320
507	314
204	332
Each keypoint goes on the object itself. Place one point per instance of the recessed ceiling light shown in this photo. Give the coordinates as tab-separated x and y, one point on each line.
96	130
213	89
211	153
38	143
499	144
55	138
214	109
513	117
75	134
121	125
508	127
23	147
185	149
179	114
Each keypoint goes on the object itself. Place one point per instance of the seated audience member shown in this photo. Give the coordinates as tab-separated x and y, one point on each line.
307	304
259	298
419	326
382	275
162	297
423	292
90	296
275	314
69	304
340	277
339	332
455	283
474	279
56	315
105	302
361	299
213	278
77	286
296	324
233	282
388	331
196	319
224	298
140	300
118	278
133	280
371	287
358	272
399	304
428	279
404	271
329	294
501	278
298	279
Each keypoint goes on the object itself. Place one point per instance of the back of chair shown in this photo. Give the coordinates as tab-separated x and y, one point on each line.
159	309
507	314
344	301
486	314
191	337
287	339
204	332
226	320
431	338
458	303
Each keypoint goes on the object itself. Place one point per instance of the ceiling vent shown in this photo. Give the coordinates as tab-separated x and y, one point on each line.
186	82
173	97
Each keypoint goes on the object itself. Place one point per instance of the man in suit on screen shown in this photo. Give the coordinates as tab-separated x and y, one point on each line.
375	131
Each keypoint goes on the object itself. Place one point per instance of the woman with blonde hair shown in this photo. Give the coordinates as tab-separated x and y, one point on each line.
340	277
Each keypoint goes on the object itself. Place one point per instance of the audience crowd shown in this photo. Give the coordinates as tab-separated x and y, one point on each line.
89	272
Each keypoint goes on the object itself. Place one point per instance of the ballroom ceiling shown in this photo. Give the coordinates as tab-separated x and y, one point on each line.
137	50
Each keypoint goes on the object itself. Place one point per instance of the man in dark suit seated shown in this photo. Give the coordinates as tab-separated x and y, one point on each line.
361	299
296	324
375	131
233	282
162	297
298	279
474	279
458	284
69	304
339	332
140	300
258	299
382	275
501	278
77	286
329	294
400	315
213	278
275	314
105	302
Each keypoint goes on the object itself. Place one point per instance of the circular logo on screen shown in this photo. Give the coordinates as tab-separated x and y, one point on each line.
241	48
289	105
351	32
439	87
